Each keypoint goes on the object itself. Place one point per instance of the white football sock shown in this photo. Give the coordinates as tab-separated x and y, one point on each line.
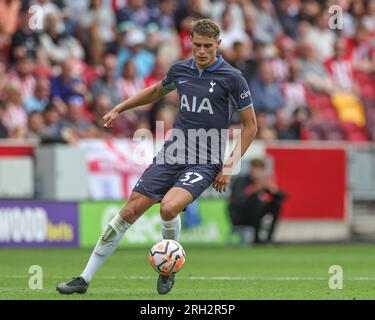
171	229
106	244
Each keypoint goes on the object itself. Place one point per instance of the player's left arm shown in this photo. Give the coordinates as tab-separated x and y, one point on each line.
247	136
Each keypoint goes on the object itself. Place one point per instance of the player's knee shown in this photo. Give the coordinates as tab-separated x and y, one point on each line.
129	214
168	211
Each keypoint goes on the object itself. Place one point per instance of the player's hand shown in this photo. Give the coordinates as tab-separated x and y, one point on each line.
221	182
110	117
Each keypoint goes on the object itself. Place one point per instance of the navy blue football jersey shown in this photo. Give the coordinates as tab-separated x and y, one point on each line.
208	98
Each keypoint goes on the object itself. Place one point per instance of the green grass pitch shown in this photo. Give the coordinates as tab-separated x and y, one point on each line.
269	272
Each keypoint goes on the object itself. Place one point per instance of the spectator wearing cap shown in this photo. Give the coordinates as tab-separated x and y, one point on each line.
73	123
133	49
108	84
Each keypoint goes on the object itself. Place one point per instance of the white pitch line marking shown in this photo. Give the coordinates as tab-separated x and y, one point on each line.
214	278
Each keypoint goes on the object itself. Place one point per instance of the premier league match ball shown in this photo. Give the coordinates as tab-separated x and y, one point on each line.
167	256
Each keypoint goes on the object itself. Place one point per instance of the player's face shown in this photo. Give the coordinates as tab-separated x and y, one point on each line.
204	50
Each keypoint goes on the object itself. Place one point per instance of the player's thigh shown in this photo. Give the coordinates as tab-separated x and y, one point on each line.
157	180
137	204
175	200
196	179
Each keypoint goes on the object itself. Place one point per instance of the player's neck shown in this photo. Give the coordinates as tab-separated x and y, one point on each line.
207	65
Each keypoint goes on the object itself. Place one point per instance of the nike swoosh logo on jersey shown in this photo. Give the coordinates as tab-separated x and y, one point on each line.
182	81
186	184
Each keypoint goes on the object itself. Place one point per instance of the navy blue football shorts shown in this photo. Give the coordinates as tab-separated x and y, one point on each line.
157	179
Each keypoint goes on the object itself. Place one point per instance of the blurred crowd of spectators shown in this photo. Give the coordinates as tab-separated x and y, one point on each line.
308	81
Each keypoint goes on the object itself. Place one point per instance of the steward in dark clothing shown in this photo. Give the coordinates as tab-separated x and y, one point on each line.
256	201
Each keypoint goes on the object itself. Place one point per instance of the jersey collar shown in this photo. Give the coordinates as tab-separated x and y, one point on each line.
212	67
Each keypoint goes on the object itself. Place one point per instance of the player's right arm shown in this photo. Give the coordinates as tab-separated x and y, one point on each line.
145	96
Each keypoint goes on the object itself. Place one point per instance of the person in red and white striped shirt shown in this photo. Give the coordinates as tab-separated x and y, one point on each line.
15	117
340	68
23	76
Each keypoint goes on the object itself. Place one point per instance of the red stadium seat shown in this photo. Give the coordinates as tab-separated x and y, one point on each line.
366	84
323	103
354	132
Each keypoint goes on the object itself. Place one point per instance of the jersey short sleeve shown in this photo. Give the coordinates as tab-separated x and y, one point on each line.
168	81
240	95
